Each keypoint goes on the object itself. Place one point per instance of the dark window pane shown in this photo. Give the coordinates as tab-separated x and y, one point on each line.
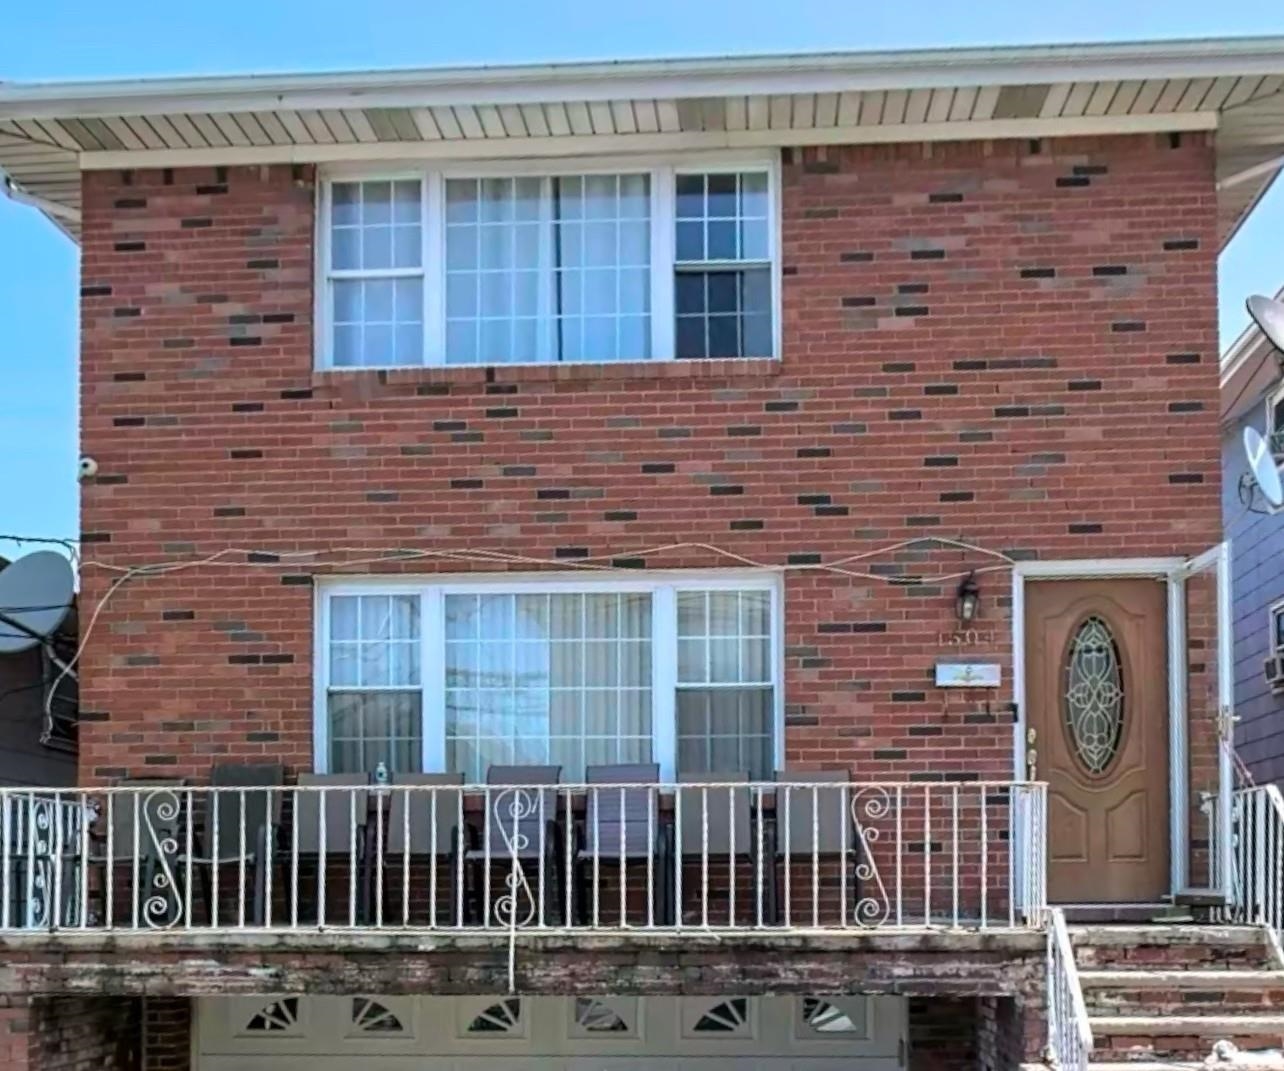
690	241
724	291
689	292
722	240
690	191
725	730
724	336
690	336
722	196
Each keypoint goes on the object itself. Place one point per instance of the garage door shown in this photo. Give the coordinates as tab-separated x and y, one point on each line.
526	1033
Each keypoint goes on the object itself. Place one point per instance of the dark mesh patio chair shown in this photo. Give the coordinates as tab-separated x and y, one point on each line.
338	842
811	824
620	825
241	824
422	832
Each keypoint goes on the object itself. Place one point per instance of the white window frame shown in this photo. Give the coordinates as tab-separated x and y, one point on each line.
662	172
1273	614
662	587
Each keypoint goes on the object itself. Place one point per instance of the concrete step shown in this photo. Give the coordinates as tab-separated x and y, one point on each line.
1171	947
1196	992
1269	1060
1131	1038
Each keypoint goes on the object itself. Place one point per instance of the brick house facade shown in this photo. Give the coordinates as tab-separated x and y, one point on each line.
979	335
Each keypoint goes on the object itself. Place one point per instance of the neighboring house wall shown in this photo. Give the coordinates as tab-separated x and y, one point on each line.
1010	343
23	759
1257	543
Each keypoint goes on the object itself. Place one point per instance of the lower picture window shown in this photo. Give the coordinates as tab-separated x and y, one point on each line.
463	679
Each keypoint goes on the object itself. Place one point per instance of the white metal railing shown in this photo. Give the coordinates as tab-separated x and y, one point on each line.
1257	867
720	856
1069	1033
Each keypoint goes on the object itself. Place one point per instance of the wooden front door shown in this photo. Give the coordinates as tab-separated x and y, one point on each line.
1097	727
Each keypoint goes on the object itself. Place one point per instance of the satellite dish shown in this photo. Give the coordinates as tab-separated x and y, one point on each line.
1268	314
1261	464
36	593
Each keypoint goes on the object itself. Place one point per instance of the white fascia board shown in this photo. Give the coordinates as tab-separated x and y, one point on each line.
668	79
407	152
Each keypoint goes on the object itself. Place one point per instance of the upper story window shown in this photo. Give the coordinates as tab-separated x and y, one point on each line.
619	264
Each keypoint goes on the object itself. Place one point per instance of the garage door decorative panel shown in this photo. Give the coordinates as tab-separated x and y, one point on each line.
384	1017
276	1017
506	1033
615	1016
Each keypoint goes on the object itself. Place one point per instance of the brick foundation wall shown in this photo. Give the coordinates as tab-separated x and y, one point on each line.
971	1034
95	1033
82	1034
1008	343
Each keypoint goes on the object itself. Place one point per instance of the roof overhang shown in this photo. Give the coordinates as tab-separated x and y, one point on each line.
50	132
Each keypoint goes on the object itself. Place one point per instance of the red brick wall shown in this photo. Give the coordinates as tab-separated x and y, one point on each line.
86	1034
1007	343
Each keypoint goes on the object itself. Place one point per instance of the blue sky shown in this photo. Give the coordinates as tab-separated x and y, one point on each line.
55	39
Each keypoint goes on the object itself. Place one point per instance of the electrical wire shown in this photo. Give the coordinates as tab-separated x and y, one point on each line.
254	559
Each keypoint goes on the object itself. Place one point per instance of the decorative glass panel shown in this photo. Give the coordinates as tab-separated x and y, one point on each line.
729	1017
598	1017
371	1017
504	1017
823	1017
277	1017
1094	697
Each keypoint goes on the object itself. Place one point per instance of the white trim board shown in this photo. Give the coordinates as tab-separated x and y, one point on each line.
597	144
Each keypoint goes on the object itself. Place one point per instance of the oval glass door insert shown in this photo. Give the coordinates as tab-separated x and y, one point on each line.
1094	696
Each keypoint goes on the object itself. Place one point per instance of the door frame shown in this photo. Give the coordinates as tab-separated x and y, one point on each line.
1172	572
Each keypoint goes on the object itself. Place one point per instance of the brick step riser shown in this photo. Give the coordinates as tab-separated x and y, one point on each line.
1193	1048
1114	1001
1175	957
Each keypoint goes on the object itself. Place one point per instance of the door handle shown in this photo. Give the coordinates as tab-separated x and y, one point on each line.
1031	755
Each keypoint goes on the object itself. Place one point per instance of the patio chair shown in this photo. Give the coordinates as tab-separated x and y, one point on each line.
340	837
521	827
810	824
423	831
714	825
621	825
240	829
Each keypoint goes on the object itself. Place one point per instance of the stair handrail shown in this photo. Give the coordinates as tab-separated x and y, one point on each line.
1070	1039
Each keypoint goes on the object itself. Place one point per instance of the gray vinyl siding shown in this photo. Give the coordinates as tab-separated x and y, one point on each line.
23	759
1257	564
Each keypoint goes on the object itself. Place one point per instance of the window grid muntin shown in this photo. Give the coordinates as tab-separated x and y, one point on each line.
565	206
664	661
414	227
507	702
374	709
749	314
663	262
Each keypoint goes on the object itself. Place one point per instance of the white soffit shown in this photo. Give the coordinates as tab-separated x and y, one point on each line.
50	132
